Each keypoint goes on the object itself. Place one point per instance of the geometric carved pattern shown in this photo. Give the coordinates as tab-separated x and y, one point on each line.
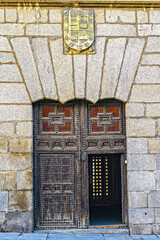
105	119
56	119
57	189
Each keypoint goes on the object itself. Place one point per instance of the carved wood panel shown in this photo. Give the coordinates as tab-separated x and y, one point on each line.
64	136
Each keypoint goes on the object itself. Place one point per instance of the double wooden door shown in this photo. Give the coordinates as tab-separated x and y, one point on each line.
65	136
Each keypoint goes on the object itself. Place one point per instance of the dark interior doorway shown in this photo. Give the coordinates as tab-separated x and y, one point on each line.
104	189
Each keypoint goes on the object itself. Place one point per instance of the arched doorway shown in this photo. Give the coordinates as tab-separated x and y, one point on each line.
79	169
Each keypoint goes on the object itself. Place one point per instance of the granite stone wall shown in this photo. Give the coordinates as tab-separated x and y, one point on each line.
126	66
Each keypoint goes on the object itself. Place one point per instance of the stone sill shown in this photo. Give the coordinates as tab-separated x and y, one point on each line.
83	3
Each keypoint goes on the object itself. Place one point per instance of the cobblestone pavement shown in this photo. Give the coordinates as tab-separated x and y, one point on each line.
59	236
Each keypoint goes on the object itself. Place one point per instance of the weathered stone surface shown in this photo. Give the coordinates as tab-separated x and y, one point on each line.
138	216
9	73
154	199
158	161
148	29
4	44
11	15
138	200
32	15
19	222
153	110
3	145
142	162
15	113
142	16
20	145
153	44
79	75
44	30
24	55
10	181
15	162
148	74
145	93
20	201
154	145
151	59
55	16
113	16
141	127
6	129
99	16
156	229
3	201
6	57
63	71
141	181
159	127
129	67
2	175
9	93
141	229
12	29
24	180
24	129
44	66
137	145
115	30
135	110
1	15
154	16
94	77
157	215
113	60
2	217
157	180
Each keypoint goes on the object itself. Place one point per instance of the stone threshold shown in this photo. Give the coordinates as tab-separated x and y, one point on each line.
122	231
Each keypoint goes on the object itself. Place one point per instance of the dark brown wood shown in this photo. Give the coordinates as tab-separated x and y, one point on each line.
65	136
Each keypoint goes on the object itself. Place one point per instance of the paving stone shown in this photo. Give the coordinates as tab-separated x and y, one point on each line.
13	162
6	57
3	201
141	162
9	93
141	181
93	82
141	127
33	236
141	216
11	15
20	201
145	93
24	55
89	236
15	113
130	63
149	237
79	75
45	69
55	16
142	16
112	64
10	73
153	44
115	237
137	145
20	145
9	236
119	30
19	222
44	30
113	16
63	71
148	74
12	29
63	236
4	44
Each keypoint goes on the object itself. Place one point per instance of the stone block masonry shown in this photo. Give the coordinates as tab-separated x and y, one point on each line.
126	67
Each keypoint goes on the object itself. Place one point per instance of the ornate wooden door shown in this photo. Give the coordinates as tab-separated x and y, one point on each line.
64	137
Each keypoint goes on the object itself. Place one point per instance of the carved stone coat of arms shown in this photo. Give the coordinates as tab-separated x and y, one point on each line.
78	30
